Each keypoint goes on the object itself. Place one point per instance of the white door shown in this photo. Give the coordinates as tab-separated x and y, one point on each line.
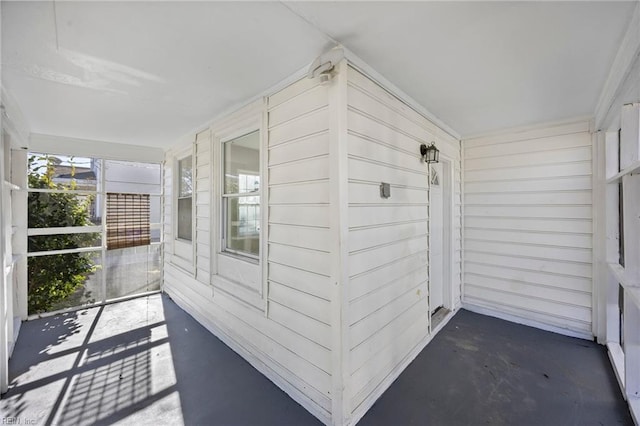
436	240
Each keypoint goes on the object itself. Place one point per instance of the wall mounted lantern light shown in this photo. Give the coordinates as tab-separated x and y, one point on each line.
430	153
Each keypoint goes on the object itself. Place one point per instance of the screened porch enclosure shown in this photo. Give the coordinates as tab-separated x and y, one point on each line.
301	212
93	230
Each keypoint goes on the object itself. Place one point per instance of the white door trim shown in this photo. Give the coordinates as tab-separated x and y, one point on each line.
448	232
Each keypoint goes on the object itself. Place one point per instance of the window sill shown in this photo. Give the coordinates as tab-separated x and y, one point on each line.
248	259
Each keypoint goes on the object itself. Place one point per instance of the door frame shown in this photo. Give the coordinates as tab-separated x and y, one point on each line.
448	237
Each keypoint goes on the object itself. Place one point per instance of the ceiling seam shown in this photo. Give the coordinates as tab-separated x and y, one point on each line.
55	25
310	23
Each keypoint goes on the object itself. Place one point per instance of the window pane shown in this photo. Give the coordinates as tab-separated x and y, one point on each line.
129	176
156	234
621	224
60	209
156	218
132	270
48	171
243	224
184	218
61	281
155	209
242	164
185	173
621	314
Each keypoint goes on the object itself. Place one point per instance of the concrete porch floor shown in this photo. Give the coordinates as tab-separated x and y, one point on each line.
145	361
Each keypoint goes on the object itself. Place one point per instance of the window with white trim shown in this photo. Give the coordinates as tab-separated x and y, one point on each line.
185	199
241	195
621	219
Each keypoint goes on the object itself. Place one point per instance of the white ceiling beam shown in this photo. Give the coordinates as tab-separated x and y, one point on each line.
50	144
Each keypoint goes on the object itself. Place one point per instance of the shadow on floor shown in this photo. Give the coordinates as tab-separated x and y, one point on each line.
146	361
219	386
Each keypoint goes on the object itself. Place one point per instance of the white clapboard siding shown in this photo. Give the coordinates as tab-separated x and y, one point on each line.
529	224
517	275
528	230
388	313
527	237
565	183
286	329
520	147
315	145
291	344
531	171
203	185
313	238
167	205
552	313
404	336
365	260
305	170
555	266
298	238
292	360
367	238
386	273
567	155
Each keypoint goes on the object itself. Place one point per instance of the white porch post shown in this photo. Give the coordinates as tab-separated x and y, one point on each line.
5	321
19	159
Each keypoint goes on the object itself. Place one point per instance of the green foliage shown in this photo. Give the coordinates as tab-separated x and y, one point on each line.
56	279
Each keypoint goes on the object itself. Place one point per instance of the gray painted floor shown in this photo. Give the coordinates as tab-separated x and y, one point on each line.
485	371
145	361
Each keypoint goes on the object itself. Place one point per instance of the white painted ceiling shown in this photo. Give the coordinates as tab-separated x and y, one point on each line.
147	73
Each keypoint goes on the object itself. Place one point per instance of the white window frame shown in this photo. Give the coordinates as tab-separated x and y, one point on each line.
183	248
227	197
246	272
625	357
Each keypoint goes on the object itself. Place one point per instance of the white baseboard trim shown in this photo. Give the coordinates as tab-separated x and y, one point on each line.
17	323
259	364
616	356
634	407
525	321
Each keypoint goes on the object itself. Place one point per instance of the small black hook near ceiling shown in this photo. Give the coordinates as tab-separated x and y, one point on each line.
430	154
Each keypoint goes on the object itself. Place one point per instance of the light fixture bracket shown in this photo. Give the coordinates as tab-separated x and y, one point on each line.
324	65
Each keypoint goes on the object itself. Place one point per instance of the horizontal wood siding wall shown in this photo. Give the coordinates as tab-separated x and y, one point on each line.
167	207
291	343
287	358
203	205
528	225
298	293
388	314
